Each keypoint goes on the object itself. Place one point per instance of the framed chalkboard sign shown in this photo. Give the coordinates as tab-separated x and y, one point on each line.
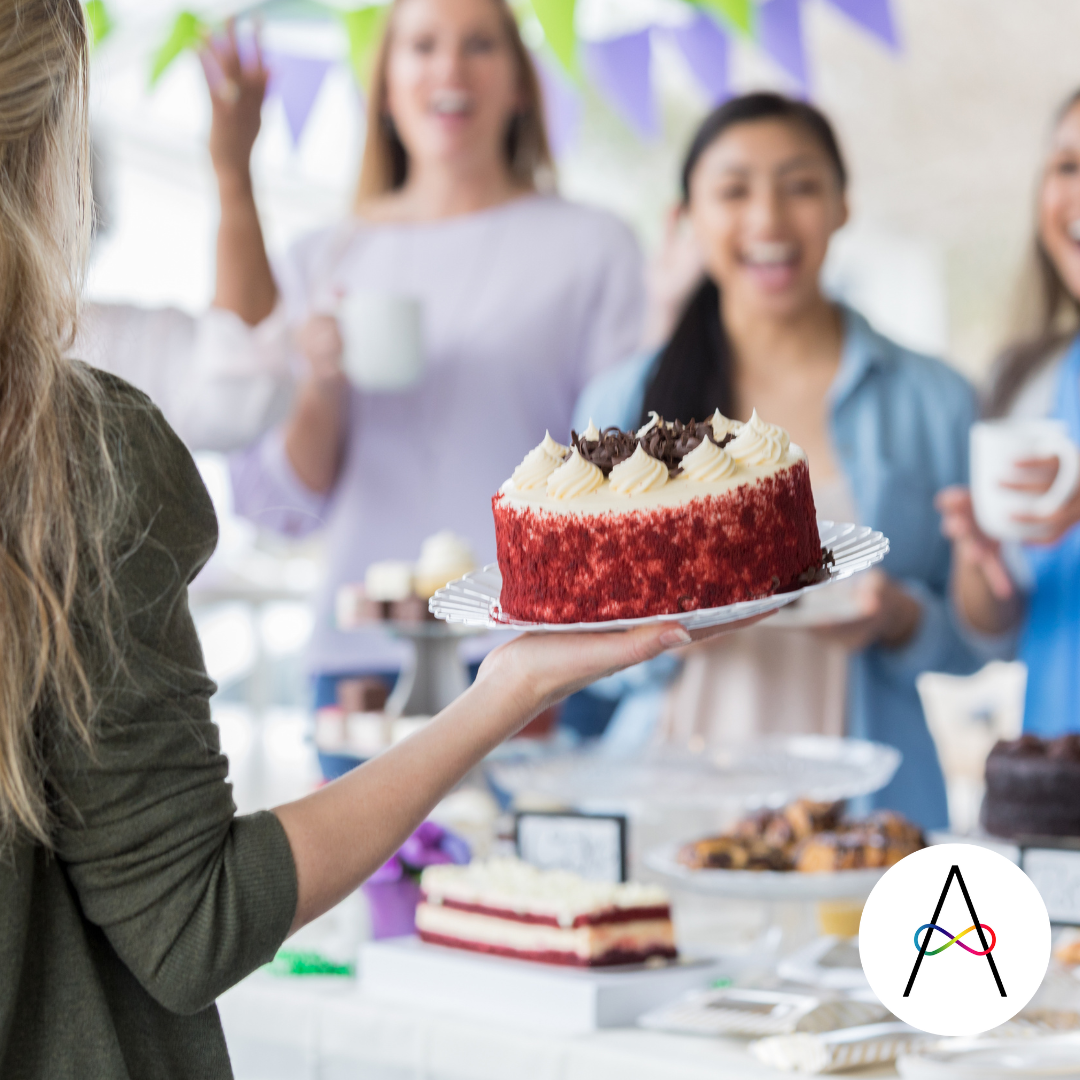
592	845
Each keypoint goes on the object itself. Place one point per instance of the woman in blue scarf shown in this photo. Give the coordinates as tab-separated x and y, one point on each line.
1035	590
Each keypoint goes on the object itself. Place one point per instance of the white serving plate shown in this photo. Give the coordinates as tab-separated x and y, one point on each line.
474	599
765	884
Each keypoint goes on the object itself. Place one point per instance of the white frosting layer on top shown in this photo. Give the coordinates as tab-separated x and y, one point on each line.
576	486
511	885
539	464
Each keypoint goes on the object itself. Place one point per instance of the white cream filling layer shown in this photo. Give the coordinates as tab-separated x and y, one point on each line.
585	942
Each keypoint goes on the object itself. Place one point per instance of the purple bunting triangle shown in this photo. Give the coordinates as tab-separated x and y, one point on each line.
873	15
780	35
562	109
707	51
621	68
297	80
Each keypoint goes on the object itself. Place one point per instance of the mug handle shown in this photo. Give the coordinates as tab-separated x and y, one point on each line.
1068	455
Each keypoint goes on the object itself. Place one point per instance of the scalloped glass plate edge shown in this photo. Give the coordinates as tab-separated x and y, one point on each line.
473	599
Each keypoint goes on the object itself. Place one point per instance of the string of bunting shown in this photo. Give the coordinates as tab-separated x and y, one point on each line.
620	67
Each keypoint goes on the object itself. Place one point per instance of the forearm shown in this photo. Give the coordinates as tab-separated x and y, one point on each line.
245	284
315	436
344	832
977	604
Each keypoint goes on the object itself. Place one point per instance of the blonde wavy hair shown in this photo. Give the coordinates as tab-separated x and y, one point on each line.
385	163
59	494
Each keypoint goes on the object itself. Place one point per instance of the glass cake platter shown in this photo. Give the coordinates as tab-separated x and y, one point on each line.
768	772
474	599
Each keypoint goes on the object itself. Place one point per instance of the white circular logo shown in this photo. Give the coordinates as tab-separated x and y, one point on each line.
955	939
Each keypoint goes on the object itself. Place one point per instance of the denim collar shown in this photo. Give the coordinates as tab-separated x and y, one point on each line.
864	349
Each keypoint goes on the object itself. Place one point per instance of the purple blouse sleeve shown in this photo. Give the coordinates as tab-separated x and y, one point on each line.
267	491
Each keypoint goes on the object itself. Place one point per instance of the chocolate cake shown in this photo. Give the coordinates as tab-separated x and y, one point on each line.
675	517
1033	787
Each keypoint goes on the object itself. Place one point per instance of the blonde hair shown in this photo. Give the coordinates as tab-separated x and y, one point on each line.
59	494
385	162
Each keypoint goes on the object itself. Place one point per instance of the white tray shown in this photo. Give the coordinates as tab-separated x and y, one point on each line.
474	599
520	993
765	884
985	1058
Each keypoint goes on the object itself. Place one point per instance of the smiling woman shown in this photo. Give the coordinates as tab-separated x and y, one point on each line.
764	191
517	298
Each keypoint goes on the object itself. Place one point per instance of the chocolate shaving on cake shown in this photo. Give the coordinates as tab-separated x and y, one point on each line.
670	442
613	446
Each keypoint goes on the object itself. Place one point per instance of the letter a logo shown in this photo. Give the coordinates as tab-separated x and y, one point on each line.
954	939
978	927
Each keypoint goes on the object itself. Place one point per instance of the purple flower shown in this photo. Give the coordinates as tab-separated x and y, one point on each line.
429	834
415	853
456	849
392	870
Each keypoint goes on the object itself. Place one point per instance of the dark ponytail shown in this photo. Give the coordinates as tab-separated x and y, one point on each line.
695	373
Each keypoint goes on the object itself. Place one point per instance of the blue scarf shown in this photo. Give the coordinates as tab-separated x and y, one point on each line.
1050	638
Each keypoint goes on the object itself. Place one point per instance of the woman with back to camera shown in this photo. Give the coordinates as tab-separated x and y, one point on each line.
1033	591
131	894
764	189
525	296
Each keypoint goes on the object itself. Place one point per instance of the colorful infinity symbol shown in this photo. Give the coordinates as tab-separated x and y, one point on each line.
931	927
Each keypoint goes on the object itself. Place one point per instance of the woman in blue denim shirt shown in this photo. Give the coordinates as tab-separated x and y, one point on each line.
764	190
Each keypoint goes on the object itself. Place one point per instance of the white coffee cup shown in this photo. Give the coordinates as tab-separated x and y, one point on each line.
996	447
383	339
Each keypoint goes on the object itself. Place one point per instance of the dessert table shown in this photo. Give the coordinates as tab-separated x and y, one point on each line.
314	1028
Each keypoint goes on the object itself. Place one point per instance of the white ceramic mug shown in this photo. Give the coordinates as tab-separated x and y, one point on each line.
996	447
383	339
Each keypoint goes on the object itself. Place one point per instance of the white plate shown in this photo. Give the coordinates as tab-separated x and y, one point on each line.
765	884
768	772
996	1059
474	599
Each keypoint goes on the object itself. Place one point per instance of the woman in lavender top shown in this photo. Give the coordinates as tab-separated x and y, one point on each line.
525	297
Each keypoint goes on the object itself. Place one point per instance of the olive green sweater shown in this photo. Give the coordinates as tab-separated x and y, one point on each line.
157	897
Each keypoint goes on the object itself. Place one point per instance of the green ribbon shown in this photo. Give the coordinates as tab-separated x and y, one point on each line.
557	19
364	27
188	32
98	20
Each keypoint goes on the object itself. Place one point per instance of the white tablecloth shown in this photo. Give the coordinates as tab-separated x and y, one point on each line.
325	1029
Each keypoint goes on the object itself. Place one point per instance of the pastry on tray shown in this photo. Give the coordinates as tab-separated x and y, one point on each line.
1033	787
508	908
675	517
806	836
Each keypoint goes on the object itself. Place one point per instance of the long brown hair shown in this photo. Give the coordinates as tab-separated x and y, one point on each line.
385	163
59	493
1048	313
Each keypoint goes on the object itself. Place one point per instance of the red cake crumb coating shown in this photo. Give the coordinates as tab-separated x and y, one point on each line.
548	956
756	540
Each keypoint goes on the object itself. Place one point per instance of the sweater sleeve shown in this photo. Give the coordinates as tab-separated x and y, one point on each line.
190	896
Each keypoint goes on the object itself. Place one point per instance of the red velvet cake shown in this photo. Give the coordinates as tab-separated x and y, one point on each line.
508	908
673	518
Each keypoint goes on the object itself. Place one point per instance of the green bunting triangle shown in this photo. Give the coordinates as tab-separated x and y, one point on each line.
98	21
364	27
557	19
188	32
737	14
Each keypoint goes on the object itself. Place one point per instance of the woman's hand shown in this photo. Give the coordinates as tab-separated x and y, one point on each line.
236	96
1038	474
319	340
888	615
983	590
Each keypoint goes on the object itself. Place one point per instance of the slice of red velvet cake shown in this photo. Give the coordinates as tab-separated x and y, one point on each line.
509	908
673	518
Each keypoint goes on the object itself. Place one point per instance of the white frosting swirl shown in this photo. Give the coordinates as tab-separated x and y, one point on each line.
707	462
759	443
723	425
638	473
539	463
574	477
591	433
654	419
